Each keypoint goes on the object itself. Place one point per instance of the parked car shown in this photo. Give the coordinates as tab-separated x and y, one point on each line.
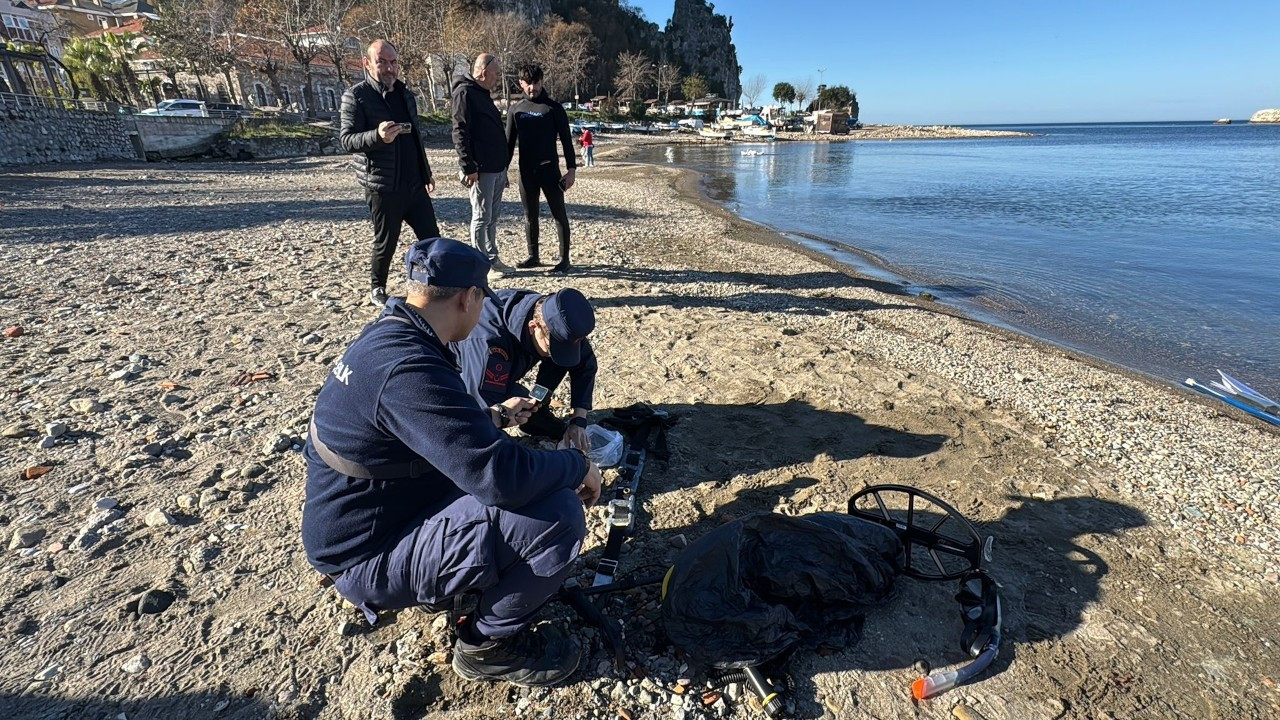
181	108
230	110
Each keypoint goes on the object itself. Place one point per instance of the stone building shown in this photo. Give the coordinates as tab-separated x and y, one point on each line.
23	23
83	17
265	76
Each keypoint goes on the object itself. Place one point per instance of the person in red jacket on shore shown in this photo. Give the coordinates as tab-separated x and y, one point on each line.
588	146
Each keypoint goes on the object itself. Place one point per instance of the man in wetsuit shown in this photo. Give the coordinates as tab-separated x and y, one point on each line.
534	124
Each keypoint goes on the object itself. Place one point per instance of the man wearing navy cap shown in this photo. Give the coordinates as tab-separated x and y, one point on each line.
521	328
415	495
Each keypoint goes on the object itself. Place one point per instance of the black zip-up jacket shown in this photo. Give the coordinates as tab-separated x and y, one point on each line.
364	107
535	124
477	128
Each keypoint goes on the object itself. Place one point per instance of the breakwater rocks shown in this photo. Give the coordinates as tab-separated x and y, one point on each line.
1266	116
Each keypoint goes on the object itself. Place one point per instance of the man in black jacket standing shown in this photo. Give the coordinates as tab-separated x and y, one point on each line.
380	122
482	153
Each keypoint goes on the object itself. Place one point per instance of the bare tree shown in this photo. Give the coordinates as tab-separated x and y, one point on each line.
565	51
669	78
752	88
804	91
335	35
413	27
202	34
635	72
293	23
509	36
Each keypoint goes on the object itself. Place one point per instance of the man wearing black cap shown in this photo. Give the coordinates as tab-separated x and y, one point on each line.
521	328
415	495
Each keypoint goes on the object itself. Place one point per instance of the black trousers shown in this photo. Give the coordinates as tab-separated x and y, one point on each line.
545	180
387	211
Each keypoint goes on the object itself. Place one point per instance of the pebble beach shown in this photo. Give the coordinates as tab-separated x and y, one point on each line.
168	326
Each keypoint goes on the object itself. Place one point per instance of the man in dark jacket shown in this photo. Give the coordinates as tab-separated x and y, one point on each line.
519	329
534	124
414	495
380	122
481	144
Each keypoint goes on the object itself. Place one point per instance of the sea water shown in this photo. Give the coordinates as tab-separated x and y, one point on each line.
1155	246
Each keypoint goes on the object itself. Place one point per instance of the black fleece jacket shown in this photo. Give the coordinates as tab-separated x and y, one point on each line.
477	128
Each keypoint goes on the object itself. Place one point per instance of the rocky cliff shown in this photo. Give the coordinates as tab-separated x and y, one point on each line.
701	42
535	11
1266	116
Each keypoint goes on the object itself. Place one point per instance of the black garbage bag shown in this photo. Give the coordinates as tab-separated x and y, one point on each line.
756	587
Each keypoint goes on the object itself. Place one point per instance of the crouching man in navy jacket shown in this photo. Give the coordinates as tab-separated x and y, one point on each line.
414	494
521	328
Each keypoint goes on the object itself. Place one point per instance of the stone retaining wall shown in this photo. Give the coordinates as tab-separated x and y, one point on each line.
32	136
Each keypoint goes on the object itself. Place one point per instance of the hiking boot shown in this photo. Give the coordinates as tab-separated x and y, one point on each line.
378	297
529	262
534	657
561	267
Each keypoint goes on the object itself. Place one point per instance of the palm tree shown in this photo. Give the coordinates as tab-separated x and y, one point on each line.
123	48
91	62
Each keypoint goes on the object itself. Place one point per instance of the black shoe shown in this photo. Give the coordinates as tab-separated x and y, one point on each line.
530	262
535	657
561	267
378	297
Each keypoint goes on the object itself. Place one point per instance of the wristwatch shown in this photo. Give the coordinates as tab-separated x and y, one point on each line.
578	422
503	415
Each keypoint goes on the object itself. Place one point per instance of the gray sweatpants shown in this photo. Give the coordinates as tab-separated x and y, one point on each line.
486	200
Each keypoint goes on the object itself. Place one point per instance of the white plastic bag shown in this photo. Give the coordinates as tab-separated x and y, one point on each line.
606	446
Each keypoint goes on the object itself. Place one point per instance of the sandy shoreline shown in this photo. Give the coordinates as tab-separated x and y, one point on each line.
1135	529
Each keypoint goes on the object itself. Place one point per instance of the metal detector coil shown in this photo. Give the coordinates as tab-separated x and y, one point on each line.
950	536
918	530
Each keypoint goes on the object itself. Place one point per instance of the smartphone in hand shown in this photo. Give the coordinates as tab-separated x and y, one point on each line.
406	127
539	393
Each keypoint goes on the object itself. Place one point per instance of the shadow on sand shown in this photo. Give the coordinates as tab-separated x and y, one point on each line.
1047	577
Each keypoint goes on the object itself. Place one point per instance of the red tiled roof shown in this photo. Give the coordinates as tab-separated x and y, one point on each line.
135	26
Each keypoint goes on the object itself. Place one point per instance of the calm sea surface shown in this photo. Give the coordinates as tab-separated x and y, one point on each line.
1153	246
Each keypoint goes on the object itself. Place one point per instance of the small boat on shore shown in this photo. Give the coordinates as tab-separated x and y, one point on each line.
710	134
759	132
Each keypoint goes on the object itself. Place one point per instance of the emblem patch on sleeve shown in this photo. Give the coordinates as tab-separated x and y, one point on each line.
497	371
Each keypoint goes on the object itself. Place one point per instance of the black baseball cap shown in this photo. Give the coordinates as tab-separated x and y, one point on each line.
570	319
448	263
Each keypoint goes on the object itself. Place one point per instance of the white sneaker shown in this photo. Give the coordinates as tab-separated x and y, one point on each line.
496	274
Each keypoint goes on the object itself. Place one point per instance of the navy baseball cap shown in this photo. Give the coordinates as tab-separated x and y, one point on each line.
448	263
570	319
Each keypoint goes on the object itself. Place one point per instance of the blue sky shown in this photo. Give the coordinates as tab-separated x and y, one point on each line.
1017	62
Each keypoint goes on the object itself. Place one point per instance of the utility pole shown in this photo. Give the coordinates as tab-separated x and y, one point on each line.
821	85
